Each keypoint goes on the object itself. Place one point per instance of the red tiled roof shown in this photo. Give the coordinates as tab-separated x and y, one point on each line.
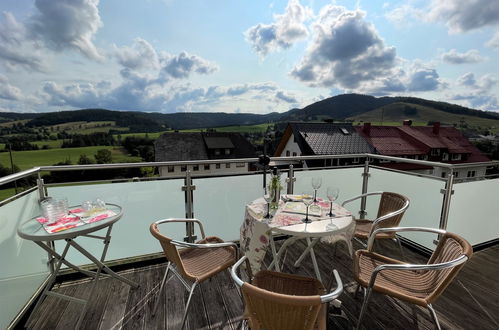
419	140
388	140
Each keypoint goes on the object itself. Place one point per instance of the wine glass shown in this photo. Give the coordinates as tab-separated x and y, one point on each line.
316	184
268	195
307	199
332	195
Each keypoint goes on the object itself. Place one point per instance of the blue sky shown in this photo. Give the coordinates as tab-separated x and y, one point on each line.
243	56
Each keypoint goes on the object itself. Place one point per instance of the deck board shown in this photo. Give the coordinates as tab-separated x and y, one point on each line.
470	302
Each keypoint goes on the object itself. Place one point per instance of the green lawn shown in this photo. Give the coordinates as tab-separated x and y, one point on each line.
6	193
29	159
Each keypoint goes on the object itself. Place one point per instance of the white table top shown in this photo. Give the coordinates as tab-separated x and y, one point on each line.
34	231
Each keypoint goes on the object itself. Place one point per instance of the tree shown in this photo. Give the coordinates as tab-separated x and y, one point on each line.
103	156
85	160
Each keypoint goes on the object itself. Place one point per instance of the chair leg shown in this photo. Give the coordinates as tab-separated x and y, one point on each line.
400	247
356	291
188	304
364	307
160	292
434	316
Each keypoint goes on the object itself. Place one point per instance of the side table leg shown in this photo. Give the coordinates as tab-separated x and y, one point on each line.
314	260
52	278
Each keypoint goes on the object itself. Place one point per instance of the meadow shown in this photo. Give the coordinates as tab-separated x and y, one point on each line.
29	159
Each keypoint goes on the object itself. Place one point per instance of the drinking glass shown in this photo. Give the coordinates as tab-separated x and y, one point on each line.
316	184
332	195
307	199
268	195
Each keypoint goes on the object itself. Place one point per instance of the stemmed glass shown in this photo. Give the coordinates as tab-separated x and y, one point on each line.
307	199
268	195
332	195
316	184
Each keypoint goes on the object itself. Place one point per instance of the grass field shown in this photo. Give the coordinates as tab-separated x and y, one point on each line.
6	193
28	159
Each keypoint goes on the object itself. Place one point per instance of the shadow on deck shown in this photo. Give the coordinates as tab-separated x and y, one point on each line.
470	302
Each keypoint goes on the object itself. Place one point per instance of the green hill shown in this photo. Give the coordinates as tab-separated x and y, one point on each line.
397	112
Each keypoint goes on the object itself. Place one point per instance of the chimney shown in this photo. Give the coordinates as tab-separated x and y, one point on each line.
407	122
367	128
436	127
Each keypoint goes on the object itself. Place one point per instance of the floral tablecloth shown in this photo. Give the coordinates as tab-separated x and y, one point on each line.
255	230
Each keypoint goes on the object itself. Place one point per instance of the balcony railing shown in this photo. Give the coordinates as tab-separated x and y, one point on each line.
466	208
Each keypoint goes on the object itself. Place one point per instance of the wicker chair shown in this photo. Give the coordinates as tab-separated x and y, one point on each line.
390	212
278	301
196	262
420	284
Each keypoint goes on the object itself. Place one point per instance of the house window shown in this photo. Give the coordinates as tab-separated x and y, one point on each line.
445	156
471	174
456	156
227	151
355	160
171	168
288	153
217	152
227	165
456	174
195	167
435	152
206	167
444	174
294	154
217	166
183	168
240	164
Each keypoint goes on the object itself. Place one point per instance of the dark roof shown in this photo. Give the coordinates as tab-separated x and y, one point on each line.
328	139
195	146
390	141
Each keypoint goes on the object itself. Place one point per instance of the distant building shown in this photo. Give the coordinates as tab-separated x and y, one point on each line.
432	143
308	139
202	146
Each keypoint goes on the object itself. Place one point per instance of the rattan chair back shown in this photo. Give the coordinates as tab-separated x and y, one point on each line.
390	202
284	301
170	250
450	247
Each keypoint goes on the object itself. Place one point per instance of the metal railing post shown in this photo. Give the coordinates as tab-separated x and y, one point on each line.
189	211
447	191
365	181
290	180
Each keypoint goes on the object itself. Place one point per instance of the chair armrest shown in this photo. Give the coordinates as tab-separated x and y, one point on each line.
233	273
360	196
392	214
337	292
410	267
372	237
200	224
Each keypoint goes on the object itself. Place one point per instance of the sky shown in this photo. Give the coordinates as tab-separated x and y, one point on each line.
240	56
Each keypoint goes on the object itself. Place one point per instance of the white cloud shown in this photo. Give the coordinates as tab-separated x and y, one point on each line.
16	50
183	64
138	56
282	96
454	57
286	30
9	92
494	41
478	92
464	15
67	24
346	52
404	15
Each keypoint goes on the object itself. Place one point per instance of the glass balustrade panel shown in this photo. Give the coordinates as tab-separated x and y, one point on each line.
220	202
425	201
24	264
474	211
142	203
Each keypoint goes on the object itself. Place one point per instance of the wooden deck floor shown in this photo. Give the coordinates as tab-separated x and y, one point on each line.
470	302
